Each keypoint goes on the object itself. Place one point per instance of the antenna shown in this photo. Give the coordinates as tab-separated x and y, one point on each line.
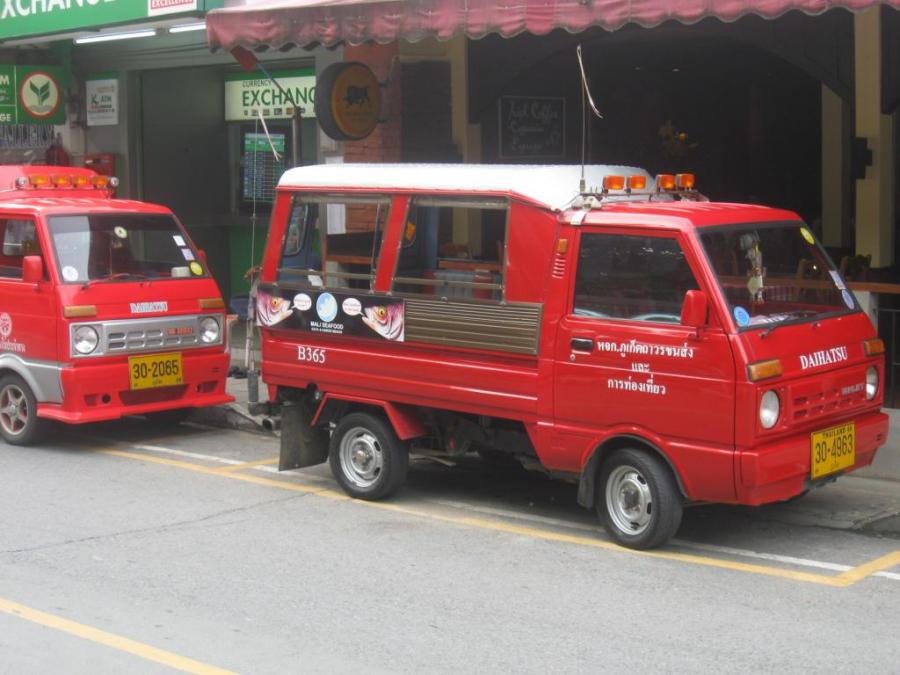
586	99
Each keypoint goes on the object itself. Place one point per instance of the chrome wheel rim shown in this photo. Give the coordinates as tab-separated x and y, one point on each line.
362	460
13	410
629	501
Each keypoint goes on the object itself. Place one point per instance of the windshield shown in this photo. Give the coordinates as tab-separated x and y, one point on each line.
124	246
774	272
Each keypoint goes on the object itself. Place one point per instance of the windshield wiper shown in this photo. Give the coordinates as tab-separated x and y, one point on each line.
797	312
114	277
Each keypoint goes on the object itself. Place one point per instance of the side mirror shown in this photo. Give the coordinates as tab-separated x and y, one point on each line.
695	309
32	269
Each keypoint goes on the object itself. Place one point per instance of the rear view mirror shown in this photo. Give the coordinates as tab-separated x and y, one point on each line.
32	269
695	309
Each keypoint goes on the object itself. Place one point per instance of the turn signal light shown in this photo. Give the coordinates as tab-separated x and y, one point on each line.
79	311
874	347
685	181
764	370
211	303
665	181
614	182
637	182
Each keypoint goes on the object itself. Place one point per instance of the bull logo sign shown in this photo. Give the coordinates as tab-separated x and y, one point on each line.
348	101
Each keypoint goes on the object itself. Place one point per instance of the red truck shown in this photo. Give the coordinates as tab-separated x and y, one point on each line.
106	307
613	328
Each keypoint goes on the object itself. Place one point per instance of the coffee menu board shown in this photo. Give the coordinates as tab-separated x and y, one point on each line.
261	170
532	127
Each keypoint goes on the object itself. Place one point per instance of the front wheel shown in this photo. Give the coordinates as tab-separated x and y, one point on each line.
640	504
19	423
366	457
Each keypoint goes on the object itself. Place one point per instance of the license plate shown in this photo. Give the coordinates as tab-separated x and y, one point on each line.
832	449
157	370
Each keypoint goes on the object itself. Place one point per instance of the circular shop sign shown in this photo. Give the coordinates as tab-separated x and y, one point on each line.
39	94
348	101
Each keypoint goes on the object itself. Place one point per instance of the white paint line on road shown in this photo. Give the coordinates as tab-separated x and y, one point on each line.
506	513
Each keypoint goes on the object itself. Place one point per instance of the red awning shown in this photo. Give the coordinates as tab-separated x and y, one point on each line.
281	24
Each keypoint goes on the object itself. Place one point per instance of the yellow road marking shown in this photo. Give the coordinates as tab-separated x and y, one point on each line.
842	580
123	644
247	465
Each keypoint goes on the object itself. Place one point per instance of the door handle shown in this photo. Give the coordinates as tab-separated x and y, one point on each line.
582	344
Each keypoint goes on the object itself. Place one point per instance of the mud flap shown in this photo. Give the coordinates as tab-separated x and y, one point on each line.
301	444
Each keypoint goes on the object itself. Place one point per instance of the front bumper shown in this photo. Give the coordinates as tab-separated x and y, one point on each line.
99	392
781	469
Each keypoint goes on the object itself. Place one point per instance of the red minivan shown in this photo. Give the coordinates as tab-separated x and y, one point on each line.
655	348
106	307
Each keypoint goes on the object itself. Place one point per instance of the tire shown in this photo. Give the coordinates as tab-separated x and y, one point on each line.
366	457
639	503
19	423
170	418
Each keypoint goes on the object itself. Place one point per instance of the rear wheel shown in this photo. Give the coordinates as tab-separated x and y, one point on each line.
639	504
366	457
19	423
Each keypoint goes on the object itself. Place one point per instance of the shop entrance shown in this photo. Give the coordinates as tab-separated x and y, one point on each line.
184	162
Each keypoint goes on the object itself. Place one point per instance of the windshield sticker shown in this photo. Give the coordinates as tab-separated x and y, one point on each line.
838	281
149	307
188	255
823	357
646	349
120	232
334	313
70	273
741	316
179	240
848	298
807	235
196	269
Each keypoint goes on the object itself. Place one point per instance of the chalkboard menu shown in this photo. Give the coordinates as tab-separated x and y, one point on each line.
261	170
532	127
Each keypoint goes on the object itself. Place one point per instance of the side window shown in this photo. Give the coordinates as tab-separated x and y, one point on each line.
453	249
333	240
631	277
19	239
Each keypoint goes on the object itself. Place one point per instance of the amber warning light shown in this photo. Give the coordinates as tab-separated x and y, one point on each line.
64	180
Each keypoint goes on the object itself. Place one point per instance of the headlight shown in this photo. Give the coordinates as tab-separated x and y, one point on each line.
871	382
85	339
769	409
209	330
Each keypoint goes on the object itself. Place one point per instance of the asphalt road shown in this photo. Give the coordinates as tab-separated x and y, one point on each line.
125	548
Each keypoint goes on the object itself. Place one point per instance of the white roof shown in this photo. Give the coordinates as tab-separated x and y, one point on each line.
554	186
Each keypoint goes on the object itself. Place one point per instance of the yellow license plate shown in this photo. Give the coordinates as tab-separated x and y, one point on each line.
157	370
832	449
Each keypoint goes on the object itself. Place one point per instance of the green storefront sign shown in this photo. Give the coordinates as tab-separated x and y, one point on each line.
246	93
33	94
27	18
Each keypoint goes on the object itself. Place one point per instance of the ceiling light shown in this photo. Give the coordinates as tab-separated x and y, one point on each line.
187	27
109	37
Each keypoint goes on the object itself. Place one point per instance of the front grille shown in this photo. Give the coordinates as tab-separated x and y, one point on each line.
828	394
135	340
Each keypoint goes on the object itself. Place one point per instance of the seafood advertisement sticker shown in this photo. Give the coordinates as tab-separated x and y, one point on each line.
360	315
